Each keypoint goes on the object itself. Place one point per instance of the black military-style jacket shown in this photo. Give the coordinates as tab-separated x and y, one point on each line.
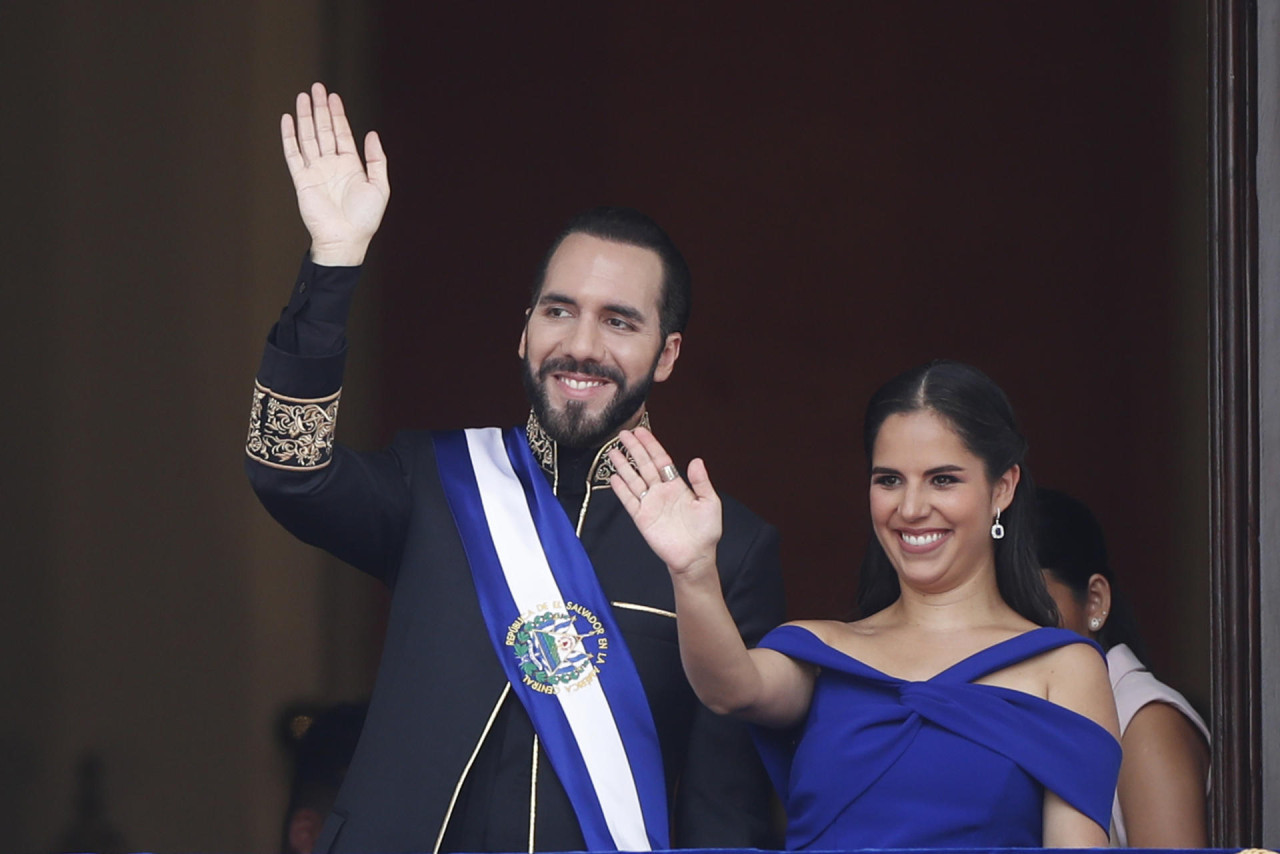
448	759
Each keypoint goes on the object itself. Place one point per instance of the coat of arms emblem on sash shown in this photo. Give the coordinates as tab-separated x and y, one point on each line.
560	647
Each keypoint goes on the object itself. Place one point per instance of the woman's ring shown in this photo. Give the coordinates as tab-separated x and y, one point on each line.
642	495
669	473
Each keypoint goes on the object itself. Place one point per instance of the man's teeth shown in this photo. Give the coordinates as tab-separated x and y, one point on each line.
921	539
581	384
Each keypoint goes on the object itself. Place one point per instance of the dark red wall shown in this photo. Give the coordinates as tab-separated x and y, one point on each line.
858	188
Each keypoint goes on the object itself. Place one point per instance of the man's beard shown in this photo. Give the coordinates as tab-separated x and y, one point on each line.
572	426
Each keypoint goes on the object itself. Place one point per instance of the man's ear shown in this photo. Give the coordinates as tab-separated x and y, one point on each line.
524	333
667	358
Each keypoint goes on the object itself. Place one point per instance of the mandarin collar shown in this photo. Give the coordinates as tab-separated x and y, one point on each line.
546	452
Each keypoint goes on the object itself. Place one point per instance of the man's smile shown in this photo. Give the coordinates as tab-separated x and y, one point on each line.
579	382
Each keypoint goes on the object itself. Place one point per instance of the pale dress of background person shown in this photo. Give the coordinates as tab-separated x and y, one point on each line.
1161	798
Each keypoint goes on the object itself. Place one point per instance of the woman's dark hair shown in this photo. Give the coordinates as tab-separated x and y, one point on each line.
981	416
1071	546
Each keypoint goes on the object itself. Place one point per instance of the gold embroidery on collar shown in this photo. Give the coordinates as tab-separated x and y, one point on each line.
545	450
291	432
542	445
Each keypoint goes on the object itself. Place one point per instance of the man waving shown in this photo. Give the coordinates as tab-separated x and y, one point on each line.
530	695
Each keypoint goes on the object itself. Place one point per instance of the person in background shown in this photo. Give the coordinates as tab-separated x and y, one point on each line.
320	760
1160	800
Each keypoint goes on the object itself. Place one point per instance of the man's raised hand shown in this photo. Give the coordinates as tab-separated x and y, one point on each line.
680	522
341	199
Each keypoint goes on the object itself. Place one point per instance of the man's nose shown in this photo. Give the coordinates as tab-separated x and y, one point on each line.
584	341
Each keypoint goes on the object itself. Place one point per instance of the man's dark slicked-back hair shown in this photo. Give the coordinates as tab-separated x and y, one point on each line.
629	226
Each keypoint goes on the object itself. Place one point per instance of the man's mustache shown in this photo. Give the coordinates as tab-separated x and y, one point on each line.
570	365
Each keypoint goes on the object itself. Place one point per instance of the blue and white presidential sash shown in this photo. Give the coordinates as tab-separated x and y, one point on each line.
555	635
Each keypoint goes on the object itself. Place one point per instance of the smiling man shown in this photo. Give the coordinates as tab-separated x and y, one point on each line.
600	332
530	695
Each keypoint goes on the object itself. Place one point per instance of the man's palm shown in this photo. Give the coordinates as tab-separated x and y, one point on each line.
337	201
340	198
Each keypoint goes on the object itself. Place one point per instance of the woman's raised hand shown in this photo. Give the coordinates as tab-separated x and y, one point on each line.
680	522
340	198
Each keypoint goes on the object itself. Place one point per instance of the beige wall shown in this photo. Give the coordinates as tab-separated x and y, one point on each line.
153	612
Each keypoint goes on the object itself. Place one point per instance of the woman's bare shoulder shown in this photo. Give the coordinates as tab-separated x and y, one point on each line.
1073	658
823	630
854	639
1076	677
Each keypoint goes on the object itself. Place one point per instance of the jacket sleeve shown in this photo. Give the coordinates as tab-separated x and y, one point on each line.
351	504
725	799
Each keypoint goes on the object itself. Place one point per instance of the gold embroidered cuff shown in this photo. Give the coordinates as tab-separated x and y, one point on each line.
291	433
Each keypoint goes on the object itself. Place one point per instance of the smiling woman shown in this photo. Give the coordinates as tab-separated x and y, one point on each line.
932	504
954	713
959	412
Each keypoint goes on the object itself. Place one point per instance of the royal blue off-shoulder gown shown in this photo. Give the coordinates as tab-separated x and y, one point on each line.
881	762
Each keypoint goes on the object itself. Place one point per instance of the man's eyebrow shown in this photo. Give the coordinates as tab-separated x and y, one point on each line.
552	296
627	311
630	312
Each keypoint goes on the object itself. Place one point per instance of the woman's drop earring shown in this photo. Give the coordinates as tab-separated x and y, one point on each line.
997	530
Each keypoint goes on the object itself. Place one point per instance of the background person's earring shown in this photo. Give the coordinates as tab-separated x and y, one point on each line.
1094	624
997	530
